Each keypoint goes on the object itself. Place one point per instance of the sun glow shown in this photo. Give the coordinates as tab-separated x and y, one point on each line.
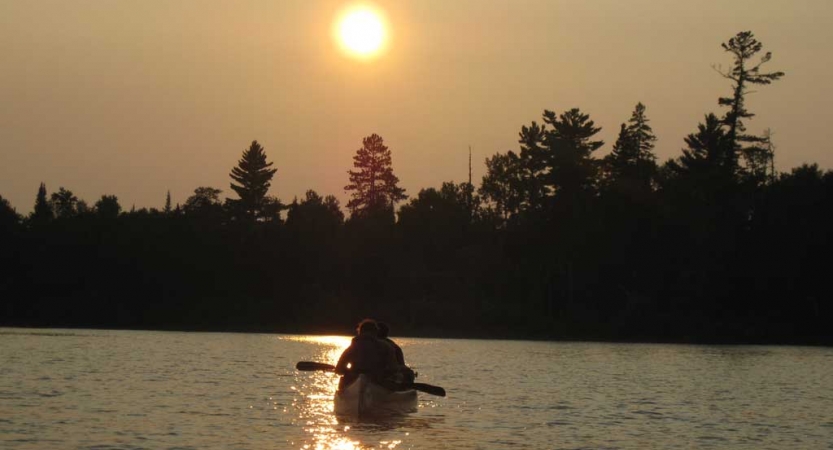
361	32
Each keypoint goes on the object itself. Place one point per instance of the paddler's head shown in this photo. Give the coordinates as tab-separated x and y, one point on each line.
367	327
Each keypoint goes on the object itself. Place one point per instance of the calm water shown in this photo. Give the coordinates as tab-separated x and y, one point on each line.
134	389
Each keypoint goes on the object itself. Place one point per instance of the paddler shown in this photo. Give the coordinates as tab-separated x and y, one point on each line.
366	354
407	374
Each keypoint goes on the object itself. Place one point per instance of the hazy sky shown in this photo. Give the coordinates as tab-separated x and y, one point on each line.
136	97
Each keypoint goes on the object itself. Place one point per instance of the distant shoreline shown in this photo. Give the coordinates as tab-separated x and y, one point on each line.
795	342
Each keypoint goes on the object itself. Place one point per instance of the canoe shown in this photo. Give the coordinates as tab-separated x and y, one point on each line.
364	397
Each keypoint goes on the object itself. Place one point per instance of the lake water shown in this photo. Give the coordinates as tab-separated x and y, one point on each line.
90	389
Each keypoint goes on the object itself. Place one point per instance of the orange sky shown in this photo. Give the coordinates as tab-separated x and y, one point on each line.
133	98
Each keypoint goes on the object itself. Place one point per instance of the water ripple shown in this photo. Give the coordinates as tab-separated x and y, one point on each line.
136	390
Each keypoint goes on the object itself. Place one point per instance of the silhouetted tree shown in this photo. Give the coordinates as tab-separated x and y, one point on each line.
373	185
108	207
43	211
204	203
709	152
533	166
632	160
167	209
64	203
502	185
315	212
254	175
743	75
9	218
443	211
272	208
552	162
572	170
82	208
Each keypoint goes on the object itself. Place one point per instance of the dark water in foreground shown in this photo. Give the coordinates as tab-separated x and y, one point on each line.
69	389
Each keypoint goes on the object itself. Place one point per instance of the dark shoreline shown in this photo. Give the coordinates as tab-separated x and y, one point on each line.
436	334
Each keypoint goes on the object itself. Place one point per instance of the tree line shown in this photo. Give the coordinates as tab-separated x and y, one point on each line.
713	245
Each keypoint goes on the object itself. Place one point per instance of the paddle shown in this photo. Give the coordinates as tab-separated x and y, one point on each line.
309	366
427	388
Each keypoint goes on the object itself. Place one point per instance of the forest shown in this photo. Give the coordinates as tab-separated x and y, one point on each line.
711	246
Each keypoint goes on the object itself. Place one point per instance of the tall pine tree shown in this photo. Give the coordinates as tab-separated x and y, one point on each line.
373	185
572	168
744	74
709	150
9	218
254	175
43	211
632	160
168	209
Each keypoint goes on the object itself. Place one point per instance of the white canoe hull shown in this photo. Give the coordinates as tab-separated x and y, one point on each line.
364	397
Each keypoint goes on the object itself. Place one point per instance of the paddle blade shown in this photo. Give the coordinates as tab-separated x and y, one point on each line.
308	366
429	389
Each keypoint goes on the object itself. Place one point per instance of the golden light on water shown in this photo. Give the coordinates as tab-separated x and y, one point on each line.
333	345
361	31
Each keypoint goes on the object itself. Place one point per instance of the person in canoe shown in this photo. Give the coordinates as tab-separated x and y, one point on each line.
366	354
407	374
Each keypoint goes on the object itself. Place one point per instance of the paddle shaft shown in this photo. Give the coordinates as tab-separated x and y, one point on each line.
309	366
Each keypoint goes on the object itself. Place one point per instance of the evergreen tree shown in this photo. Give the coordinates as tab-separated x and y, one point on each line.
167	209
9	218
43	211
552	162
709	150
254	175
533	166
704	176
743	75
632	159
570	144
64	203
373	185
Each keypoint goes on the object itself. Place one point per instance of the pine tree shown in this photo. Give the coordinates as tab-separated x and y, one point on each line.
373	184
9	218
533	165
254	175
743	75
709	149
168	209
707	166
43	211
570	144
632	157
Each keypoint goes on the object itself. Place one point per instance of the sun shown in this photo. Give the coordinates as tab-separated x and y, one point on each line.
361	32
